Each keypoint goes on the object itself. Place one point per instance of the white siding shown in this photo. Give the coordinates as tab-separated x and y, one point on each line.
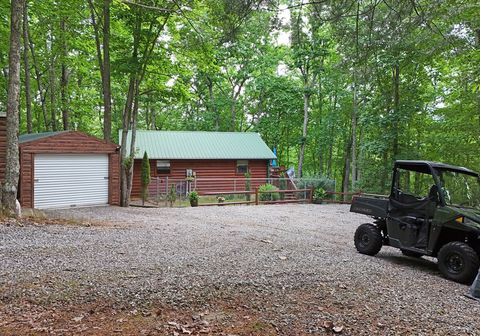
69	180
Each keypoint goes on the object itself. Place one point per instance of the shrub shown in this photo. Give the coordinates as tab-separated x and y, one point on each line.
193	196
268	196
172	195
145	176
319	194
316	182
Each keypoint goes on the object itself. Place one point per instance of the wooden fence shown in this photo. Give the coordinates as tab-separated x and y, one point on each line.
258	200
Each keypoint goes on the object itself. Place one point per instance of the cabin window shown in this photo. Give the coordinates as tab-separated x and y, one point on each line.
163	166
242	166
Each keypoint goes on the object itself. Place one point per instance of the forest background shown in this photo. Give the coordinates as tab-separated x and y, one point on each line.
340	88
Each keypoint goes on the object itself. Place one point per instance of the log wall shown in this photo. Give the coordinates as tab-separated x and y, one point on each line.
223	170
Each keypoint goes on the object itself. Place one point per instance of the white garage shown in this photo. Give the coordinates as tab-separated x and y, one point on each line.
70	180
68	169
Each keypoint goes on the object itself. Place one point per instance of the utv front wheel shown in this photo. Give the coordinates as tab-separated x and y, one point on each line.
458	261
368	239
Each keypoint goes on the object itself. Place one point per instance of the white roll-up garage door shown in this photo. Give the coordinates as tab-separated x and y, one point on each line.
69	180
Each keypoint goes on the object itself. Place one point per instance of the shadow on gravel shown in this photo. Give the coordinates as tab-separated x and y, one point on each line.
417	263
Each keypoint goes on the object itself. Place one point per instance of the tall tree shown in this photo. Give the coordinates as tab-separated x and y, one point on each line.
12	167
101	28
26	65
307	53
144	42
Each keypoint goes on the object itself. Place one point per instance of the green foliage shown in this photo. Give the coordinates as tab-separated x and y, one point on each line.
193	196
221	66
172	195
319	194
316	182
145	176
267	192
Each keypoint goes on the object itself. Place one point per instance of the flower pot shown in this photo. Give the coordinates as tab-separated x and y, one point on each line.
194	203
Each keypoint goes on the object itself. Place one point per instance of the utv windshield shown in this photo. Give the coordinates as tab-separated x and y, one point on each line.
460	189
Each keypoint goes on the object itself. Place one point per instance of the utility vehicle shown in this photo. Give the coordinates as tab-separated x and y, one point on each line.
433	210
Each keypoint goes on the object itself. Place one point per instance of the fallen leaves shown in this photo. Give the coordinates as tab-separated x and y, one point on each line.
329	325
197	326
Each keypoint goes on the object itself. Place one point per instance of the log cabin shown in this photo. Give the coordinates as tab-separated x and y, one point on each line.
217	157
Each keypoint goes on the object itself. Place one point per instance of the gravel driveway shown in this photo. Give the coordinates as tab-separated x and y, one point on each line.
256	270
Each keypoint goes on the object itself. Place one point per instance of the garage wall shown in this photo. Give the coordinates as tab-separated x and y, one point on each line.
66	143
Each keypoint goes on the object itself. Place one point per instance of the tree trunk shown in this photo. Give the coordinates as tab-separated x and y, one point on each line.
346	172
38	78
306	102
126	162
354	134
233	110
355	106
133	130
130	111
331	136
103	59
477	39
320	144
12	167
51	84
64	80
26	63
211	102
106	84
360	154
235	94
396	109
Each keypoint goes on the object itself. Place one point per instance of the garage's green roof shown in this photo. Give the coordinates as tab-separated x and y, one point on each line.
200	145
35	136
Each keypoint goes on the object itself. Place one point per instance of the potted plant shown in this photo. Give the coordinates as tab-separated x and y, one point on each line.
220	199
193	198
318	195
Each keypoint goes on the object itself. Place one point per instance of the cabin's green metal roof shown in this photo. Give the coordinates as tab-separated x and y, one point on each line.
36	136
199	145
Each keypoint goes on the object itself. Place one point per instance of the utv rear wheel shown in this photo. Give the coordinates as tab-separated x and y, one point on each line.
368	239
459	262
412	254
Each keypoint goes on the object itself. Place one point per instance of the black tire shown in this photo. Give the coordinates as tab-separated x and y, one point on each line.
368	239
458	261
412	254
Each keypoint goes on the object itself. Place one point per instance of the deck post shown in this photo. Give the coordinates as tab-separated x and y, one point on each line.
256	195
312	189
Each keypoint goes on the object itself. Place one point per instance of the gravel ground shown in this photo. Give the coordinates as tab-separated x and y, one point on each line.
260	270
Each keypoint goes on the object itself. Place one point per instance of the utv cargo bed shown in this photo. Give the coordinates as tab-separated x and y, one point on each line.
371	205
